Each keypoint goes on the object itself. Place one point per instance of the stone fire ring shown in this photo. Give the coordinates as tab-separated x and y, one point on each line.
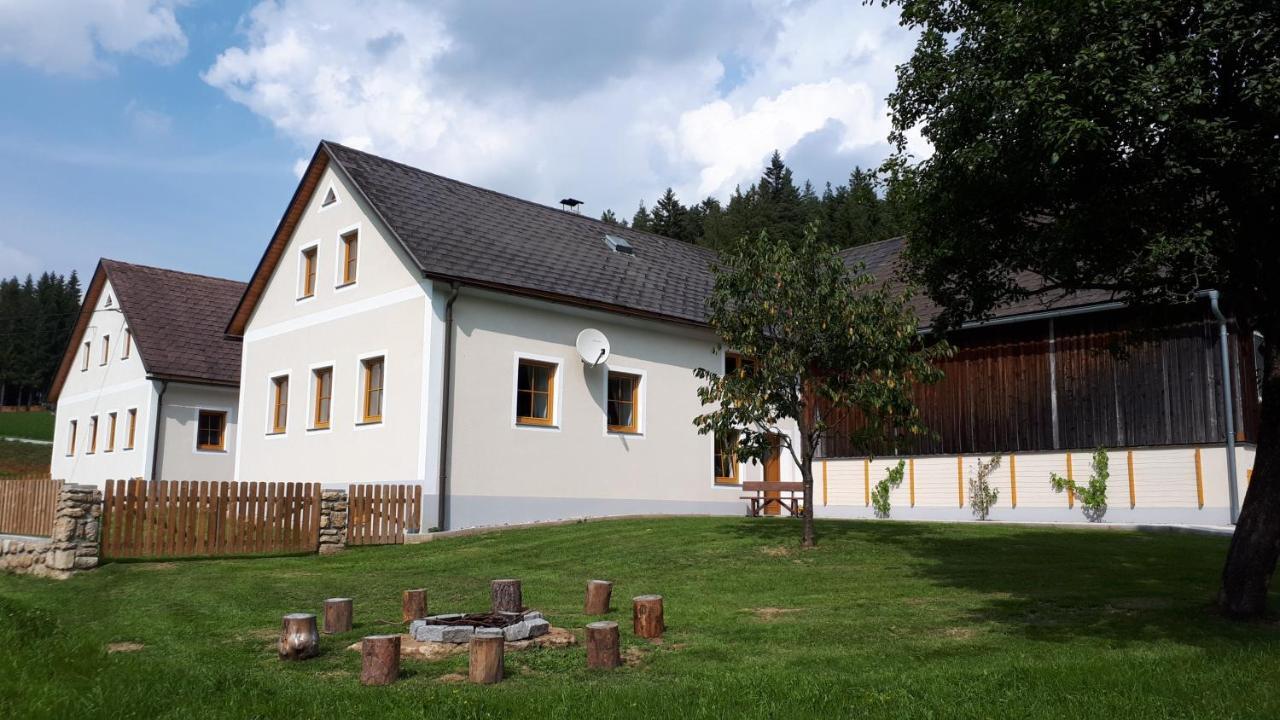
460	628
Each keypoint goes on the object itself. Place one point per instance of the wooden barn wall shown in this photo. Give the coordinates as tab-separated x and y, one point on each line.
1080	383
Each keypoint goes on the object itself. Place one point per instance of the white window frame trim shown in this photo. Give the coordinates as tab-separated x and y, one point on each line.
226	429
269	427
339	260
642	399
311	396
557	420
298	297
358	421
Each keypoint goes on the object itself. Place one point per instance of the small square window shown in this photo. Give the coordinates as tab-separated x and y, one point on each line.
211	430
535	392
623	402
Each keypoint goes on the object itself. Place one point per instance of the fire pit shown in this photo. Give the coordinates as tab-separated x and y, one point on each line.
459	628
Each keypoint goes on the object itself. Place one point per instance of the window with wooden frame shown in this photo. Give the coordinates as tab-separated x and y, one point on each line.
84	357
71	439
309	272
106	349
279	403
211	430
726	459
737	363
350	253
535	392
93	434
111	432
128	345
374	376
623	402
322	384
132	430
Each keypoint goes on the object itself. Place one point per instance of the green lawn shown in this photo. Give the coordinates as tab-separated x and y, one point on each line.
34	425
886	620
20	458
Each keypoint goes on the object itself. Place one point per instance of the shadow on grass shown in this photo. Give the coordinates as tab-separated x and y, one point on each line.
1050	584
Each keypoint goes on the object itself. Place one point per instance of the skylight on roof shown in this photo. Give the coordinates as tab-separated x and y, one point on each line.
619	245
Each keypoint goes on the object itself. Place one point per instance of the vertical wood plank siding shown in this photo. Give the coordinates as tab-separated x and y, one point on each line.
1109	387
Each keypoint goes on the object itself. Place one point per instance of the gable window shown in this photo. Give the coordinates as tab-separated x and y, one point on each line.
106	349
373	380
309	272
211	430
535	392
623	402
111	432
84	358
132	430
350	251
330	197
726	460
93	434
71	439
128	345
279	403
322	380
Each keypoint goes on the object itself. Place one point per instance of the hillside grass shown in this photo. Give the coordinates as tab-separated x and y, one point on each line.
882	620
19	458
33	425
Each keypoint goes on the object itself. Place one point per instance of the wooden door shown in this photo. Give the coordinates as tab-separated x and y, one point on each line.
773	474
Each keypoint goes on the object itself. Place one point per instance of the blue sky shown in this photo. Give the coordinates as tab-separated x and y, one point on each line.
171	132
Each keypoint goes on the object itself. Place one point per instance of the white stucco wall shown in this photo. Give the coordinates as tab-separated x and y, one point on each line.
1165	487
118	385
505	473
389	311
180	459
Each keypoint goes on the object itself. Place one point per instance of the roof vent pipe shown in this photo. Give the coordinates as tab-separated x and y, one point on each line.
1228	404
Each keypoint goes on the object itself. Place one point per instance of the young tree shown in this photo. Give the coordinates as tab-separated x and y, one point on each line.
1122	145
609	217
641	220
822	345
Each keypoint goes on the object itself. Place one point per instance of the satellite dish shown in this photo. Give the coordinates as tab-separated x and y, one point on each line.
593	346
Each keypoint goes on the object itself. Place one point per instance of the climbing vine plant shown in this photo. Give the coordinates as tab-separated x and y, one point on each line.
1092	497
880	493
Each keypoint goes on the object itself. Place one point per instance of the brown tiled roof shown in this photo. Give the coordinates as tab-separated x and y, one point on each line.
883	260
178	321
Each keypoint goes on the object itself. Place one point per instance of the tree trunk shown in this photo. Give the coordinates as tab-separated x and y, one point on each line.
1255	546
504	596
598	594
298	637
337	615
413	605
380	659
646	616
485	656
808	538
602	645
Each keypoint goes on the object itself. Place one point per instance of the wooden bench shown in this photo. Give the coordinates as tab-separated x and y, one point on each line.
786	495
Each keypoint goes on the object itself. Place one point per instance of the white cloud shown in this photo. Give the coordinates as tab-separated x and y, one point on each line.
438	87
77	36
147	122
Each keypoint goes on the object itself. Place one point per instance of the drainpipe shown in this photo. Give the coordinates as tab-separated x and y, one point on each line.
1227	403
155	441
446	410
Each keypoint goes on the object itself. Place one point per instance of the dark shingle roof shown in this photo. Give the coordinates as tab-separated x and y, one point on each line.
178	321
461	232
883	260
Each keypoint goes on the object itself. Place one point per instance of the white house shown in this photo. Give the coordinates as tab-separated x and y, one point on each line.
147	387
404	327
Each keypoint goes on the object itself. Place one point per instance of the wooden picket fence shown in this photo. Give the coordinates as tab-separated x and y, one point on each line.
27	505
188	518
380	514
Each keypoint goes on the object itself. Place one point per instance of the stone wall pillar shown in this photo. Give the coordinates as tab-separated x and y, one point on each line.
73	545
333	521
